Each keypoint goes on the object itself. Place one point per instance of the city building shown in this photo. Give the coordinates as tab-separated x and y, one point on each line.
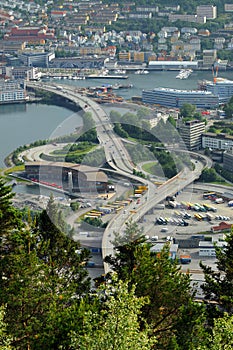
37	58
176	98
11	47
84	178
217	141
228	7
207	248
11	92
166	65
173	17
191	133
228	160
209	57
30	34
209	11
223	88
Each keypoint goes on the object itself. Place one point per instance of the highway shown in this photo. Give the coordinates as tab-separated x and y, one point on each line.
119	159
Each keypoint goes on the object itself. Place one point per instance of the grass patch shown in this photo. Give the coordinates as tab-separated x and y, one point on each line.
14	169
150	168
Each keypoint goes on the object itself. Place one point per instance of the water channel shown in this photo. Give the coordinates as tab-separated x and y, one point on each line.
23	124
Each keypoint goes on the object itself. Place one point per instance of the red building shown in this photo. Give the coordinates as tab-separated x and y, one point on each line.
223	226
29	34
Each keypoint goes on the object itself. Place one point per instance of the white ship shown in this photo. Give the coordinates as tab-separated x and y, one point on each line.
184	74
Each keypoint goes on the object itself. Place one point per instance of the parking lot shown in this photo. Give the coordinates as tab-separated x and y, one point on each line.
223	212
163	232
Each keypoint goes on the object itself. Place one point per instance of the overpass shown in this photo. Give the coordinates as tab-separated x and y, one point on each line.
119	159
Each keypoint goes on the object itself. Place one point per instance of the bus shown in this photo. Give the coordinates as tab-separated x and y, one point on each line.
209	216
198	217
208	195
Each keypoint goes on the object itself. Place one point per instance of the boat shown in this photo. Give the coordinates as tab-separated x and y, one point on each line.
184	73
142	71
120	71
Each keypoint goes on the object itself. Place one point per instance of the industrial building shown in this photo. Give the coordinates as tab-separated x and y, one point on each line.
70	176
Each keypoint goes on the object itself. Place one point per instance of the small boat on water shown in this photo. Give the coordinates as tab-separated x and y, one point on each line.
142	71
184	73
120	71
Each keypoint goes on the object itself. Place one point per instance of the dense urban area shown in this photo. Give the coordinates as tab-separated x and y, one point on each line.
118	234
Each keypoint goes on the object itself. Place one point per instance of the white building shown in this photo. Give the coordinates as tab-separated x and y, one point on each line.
209	11
217	141
11	92
207	248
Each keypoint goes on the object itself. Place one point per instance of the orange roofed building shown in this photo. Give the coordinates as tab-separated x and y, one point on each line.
223	226
30	34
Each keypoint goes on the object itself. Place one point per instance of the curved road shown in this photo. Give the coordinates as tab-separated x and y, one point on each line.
119	159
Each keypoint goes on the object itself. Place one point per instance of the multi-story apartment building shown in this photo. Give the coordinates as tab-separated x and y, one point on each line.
228	7
228	160
191	132
209	11
124	56
173	17
11	46
217	141
11	92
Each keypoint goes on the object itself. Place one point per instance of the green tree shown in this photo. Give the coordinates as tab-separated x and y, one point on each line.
187	110
228	108
160	279
117	324
218	286
221	337
208	175
9	216
124	260
42	279
4	338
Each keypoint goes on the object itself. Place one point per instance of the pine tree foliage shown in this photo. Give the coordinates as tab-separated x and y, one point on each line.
4	338
42	278
117	324
159	278
218	286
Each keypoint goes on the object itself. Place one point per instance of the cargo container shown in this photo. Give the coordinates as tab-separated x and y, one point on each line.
185	259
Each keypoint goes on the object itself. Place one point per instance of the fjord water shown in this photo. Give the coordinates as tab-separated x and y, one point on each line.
22	124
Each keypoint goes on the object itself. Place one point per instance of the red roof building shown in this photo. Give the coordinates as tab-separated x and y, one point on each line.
223	226
29	34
